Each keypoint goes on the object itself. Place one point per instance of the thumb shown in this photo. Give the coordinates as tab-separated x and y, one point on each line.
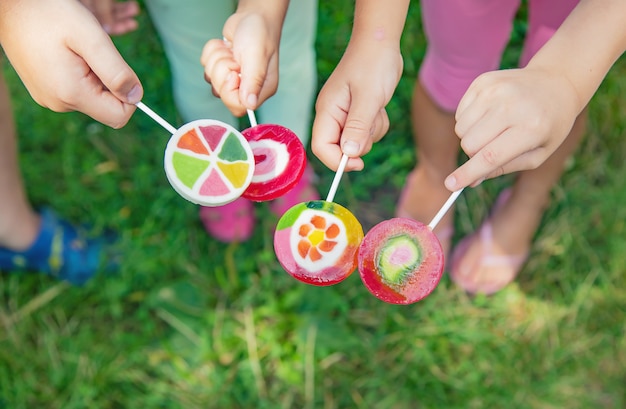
111	88
105	61
358	131
254	68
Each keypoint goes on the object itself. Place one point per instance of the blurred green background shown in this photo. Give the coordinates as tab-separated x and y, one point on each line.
193	323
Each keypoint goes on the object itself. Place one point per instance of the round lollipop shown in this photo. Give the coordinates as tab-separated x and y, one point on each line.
400	261
316	242
280	159
209	162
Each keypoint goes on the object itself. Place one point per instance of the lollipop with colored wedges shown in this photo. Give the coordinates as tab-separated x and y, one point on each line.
279	159
316	242
401	260
210	163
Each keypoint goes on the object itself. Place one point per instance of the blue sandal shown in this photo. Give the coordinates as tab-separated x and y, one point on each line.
60	250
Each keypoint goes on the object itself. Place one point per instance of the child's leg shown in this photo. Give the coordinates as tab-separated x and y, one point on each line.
515	222
19	224
28	241
465	39
184	27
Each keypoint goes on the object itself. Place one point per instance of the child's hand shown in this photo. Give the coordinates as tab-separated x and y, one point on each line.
116	17
350	109
66	61
243	69
512	120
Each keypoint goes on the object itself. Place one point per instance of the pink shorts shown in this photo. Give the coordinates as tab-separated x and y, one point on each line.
467	38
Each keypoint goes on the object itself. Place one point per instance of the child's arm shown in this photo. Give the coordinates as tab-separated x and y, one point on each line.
515	119
350	109
66	61
243	68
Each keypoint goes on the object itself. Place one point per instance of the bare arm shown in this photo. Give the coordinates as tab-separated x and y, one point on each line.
350	109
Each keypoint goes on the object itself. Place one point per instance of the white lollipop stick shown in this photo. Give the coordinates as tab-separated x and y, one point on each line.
335	184
444	209
252	118
156	117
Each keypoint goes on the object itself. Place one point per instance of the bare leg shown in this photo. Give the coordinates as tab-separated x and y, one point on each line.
19	224
515	223
437	148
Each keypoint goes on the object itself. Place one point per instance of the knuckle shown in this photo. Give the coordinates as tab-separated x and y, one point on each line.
315	148
468	148
65	97
488	156
534	161
121	79
357	125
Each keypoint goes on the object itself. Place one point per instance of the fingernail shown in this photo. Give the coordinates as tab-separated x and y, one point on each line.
350	148
134	95
251	100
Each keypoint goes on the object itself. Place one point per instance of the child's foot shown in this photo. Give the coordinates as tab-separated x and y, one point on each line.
304	191
490	259
233	222
62	251
421	199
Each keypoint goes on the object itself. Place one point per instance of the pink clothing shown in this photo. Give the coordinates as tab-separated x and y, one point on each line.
467	38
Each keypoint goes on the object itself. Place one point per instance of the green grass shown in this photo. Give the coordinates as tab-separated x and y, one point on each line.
192	323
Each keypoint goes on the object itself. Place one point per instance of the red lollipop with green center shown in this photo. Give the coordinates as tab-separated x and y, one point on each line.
400	261
316	242
280	159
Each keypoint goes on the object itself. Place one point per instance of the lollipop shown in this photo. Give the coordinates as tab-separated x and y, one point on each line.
316	242
401	260
279	158
209	162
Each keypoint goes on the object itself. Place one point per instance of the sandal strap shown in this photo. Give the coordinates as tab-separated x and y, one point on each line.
60	250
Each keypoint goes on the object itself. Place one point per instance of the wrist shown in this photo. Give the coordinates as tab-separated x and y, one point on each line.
273	11
270	12
572	96
379	23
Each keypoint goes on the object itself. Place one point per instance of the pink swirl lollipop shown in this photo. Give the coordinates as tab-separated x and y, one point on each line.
280	159
400	261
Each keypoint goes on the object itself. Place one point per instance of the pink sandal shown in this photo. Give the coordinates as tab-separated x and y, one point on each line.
509	266
233	222
303	191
